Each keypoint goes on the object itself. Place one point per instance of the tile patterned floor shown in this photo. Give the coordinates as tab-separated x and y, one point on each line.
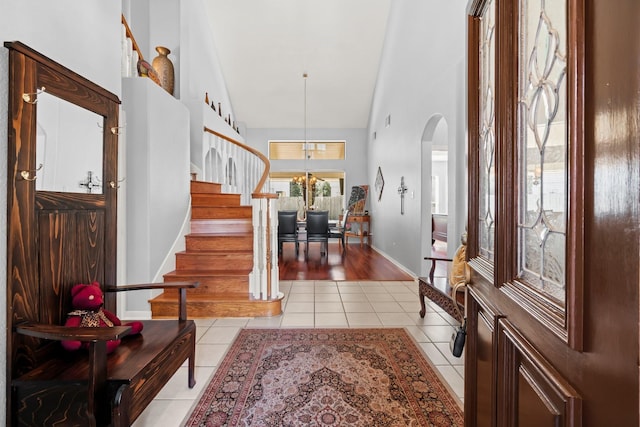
319	304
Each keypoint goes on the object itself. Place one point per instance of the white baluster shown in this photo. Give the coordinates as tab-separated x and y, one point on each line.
275	274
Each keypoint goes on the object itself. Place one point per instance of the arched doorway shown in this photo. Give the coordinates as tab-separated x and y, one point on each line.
435	182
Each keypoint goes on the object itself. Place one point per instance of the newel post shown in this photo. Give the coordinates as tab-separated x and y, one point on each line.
263	280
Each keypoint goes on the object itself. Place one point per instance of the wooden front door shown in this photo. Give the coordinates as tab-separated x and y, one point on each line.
554	125
61	225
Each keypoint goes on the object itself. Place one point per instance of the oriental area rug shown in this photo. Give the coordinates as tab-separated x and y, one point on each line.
325	377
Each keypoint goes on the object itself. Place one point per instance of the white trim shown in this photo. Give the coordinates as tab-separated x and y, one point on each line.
396	263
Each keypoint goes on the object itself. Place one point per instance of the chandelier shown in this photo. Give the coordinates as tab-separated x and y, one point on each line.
302	180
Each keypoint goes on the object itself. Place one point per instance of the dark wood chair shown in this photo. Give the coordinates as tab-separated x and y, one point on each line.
317	231
56	387
338	232
288	229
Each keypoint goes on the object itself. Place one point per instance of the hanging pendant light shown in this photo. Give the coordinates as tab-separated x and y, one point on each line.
306	142
307	196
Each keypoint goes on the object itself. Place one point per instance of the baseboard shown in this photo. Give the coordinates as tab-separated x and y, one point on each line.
394	262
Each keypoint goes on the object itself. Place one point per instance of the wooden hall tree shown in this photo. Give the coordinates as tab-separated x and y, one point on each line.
554	125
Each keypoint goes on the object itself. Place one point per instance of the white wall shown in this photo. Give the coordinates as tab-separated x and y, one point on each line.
420	77
201	73
199	61
156	185
89	46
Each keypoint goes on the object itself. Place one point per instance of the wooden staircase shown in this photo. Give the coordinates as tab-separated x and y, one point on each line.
219	255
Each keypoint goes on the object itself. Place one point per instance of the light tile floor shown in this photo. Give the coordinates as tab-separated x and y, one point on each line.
315	304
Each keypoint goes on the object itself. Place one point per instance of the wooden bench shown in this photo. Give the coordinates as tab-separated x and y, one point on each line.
95	389
438	289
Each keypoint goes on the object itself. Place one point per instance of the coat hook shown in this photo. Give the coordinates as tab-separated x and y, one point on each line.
32	98
114	130
115	184
26	174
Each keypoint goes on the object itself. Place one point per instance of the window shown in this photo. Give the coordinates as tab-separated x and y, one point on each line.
312	150
317	190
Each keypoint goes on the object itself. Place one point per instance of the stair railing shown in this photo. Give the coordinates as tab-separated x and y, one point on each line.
247	172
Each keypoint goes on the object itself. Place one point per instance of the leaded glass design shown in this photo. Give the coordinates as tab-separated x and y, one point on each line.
542	146
487	176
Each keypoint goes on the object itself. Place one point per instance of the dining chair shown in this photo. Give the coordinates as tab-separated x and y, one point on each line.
338	231
288	229
318	230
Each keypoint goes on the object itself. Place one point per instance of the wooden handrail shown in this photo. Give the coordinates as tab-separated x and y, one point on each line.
257	194
133	40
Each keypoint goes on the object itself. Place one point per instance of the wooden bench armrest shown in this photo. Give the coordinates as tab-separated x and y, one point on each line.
143	286
435	258
97	339
180	286
433	264
63	333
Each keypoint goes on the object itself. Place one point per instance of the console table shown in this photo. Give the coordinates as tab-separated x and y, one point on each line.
364	229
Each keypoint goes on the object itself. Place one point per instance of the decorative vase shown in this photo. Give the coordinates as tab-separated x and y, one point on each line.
164	68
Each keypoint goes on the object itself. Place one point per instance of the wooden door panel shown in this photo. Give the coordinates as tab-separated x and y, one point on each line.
71	251
90	244
55	266
49	200
531	393
485	377
480	362
533	410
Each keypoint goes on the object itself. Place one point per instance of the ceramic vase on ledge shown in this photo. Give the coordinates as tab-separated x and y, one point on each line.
164	68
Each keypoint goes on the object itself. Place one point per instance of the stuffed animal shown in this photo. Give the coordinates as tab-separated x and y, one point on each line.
87	301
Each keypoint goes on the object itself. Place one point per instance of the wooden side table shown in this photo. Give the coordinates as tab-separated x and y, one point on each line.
365	232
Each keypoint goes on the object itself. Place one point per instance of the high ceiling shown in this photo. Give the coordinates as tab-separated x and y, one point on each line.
265	47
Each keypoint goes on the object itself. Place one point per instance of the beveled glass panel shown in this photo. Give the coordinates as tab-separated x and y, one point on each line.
542	143
487	176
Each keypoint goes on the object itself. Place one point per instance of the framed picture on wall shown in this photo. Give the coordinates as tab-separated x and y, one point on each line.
358	199
379	183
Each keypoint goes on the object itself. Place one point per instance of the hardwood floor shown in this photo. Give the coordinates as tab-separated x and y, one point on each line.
357	263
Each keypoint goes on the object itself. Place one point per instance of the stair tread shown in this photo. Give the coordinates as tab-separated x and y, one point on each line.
211	298
221	252
216	273
222	234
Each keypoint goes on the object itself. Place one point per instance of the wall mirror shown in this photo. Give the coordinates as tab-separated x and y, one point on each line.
69	142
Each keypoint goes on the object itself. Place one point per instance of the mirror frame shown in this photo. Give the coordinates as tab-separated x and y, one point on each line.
61	82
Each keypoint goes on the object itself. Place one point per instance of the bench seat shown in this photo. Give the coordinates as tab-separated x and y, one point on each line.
136	371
